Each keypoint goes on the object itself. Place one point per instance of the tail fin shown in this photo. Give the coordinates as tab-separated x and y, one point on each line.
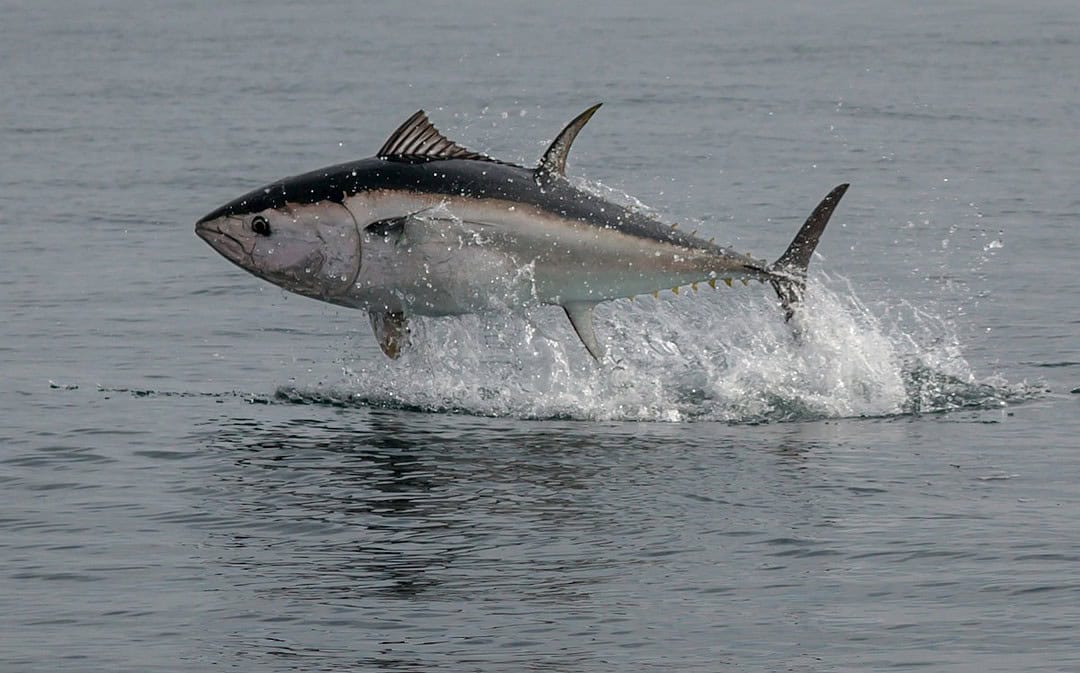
789	272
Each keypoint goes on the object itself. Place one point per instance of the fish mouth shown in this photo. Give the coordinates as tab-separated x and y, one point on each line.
203	230
228	246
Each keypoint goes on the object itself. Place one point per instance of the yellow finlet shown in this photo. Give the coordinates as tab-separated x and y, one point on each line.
693	286
675	290
727	281
712	283
656	294
744	281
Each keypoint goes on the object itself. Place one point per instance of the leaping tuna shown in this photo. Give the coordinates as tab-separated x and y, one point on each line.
427	227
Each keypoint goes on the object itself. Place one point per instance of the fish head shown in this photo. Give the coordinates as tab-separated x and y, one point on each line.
310	249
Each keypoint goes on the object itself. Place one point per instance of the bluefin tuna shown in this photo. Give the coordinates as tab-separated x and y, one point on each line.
428	227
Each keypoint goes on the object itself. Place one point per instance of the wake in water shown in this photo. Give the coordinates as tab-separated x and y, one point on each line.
717	356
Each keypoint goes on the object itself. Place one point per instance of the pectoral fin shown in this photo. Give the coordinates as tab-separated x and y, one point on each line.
392	228
581	314
391	330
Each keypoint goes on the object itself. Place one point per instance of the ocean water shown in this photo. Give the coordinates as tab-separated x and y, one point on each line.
201	472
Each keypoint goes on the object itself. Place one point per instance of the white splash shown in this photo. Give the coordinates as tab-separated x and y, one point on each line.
720	355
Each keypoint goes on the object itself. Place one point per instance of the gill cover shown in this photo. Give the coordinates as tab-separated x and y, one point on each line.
312	250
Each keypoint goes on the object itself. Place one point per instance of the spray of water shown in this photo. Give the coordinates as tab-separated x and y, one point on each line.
723	355
718	356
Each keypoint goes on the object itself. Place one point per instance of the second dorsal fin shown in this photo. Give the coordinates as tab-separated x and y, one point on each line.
418	138
554	160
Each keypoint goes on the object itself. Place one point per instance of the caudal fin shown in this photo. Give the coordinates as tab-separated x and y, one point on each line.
788	274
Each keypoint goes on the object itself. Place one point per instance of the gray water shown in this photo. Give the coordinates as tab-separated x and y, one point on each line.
200	472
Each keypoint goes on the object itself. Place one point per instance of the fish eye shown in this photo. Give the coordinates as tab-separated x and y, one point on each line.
260	225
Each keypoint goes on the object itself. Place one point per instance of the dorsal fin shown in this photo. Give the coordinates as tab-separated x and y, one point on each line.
554	160
418	138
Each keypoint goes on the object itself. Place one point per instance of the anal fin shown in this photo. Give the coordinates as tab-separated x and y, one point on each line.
391	330
581	317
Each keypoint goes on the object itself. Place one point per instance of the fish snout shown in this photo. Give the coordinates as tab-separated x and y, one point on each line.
211	231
